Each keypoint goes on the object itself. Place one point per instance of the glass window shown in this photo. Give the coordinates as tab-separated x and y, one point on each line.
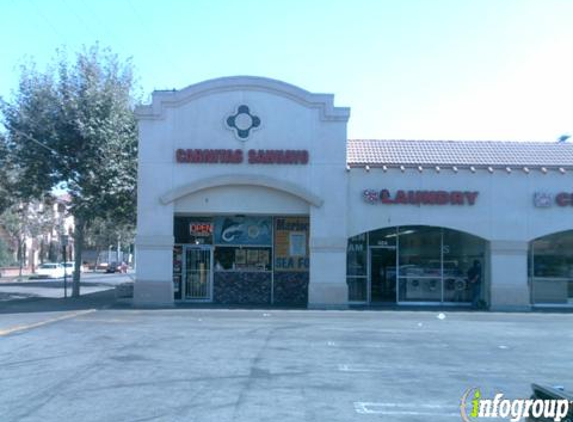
356	268
177	270
357	289
551	267
553	255
419	254
420	265
434	265
242	259
356	256
383	237
193	230
464	257
417	289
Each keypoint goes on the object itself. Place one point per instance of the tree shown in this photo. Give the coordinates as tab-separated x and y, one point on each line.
7	197
72	127
105	232
14	224
5	254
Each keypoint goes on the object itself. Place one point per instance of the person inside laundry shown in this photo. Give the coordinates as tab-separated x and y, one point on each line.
474	280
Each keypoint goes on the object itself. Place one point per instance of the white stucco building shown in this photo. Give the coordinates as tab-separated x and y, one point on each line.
250	193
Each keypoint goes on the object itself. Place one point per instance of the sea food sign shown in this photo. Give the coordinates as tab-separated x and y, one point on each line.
291	244
419	197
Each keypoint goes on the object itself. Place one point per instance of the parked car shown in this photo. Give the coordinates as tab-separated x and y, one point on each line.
114	267
70	265
546	392
50	270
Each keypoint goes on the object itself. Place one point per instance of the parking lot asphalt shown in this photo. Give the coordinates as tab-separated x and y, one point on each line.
268	365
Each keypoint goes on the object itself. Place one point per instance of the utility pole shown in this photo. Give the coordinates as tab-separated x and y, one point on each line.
64	242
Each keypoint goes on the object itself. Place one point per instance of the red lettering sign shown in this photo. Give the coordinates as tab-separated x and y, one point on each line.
224	156
229	156
427	197
200	229
277	156
564	199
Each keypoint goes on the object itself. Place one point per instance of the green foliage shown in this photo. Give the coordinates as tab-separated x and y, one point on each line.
73	127
7	197
104	232
6	256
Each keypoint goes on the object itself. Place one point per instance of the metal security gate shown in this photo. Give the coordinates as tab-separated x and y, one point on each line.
197	273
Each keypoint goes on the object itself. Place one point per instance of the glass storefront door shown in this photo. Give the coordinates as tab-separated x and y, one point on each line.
383	275
197	273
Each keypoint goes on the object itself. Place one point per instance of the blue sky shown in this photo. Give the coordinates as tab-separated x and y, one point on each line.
409	69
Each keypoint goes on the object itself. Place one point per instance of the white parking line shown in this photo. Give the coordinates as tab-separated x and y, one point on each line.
363	368
413	409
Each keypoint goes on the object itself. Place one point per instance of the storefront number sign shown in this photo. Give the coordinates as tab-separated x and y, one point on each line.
419	197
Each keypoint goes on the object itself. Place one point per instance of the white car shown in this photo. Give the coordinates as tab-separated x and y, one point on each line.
70	265
50	270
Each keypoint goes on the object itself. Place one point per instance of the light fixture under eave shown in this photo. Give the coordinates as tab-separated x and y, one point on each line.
385	169
508	169
490	169
420	169
526	170
438	169
562	170
347	167
455	169
543	170
402	169
472	169
367	168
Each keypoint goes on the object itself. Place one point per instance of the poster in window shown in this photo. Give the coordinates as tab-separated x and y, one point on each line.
242	230
240	256
265	257
297	243
252	257
291	244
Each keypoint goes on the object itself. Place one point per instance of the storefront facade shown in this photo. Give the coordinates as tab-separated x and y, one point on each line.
250	193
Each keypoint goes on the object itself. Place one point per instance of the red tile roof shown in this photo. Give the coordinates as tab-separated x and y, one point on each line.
393	153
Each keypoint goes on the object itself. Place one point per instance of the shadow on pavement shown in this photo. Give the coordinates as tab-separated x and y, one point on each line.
98	300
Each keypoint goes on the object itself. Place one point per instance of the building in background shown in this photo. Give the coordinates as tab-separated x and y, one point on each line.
33	232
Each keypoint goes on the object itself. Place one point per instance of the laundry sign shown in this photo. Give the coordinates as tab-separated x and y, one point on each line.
419	197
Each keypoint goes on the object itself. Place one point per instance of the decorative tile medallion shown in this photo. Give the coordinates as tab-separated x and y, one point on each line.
243	122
